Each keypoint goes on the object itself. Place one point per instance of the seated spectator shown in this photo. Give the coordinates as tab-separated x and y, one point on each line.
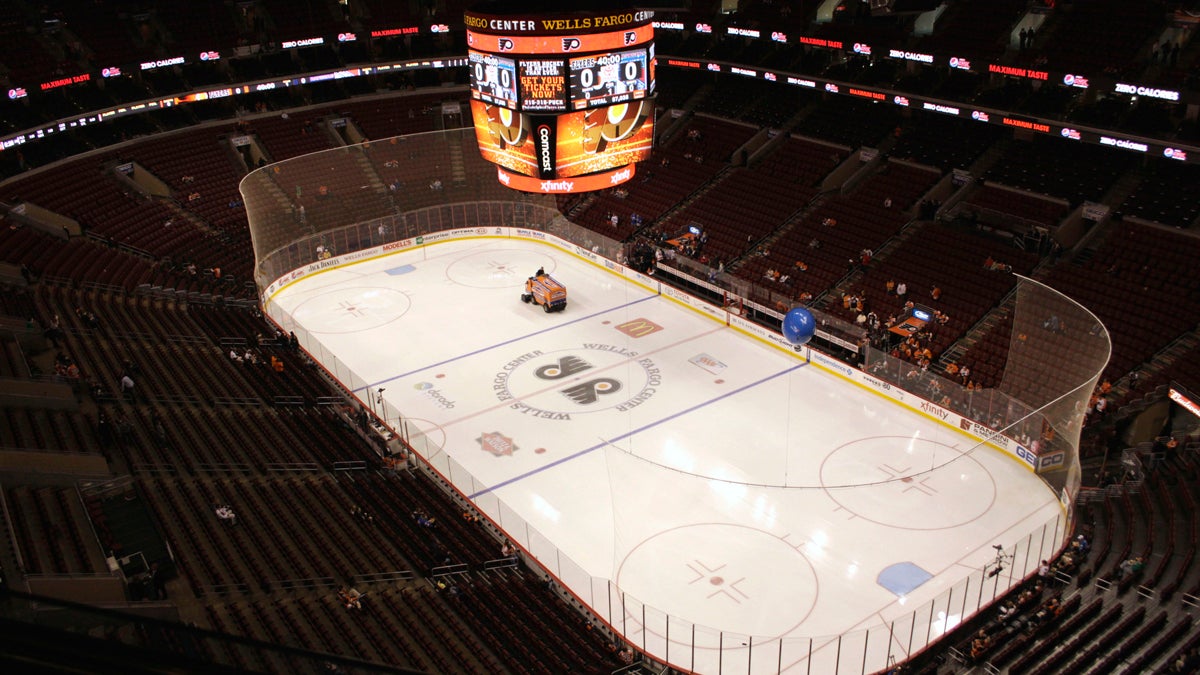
424	519
980	645
352	599
226	514
1130	567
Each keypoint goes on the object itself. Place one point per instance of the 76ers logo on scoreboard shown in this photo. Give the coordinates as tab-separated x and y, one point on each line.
591	378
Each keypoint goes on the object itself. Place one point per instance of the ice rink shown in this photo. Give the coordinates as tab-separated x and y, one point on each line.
711	476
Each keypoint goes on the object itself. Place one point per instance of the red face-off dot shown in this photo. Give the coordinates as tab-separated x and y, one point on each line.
539	451
716	581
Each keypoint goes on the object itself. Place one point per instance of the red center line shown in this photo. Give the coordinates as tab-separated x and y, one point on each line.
551	387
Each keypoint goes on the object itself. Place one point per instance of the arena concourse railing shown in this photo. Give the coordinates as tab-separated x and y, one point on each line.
330	208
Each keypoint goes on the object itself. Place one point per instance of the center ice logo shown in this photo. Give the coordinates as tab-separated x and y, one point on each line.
589	392
591	376
584	393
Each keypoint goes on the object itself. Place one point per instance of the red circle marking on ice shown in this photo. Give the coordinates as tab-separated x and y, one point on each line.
719	381
539	451
716	581
440	375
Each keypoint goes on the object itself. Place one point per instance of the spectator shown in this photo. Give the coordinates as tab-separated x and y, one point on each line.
424	519
1130	567
507	550
225	513
127	387
352	599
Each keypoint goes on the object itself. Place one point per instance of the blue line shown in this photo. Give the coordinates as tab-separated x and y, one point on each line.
506	342
639	430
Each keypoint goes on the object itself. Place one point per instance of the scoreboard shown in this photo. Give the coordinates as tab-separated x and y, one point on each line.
493	78
562	95
615	77
543	85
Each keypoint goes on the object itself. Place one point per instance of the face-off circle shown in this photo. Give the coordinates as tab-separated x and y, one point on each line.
908	483
754	579
497	268
350	310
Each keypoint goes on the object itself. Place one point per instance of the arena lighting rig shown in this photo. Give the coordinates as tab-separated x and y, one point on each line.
562	100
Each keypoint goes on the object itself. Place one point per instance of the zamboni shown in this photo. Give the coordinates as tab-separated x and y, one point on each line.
542	289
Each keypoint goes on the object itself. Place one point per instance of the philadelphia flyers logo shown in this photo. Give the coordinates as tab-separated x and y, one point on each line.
630	37
570	44
504	44
565	367
587	393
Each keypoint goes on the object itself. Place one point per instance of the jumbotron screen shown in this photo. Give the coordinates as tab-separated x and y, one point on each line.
562	146
562	95
615	77
493	78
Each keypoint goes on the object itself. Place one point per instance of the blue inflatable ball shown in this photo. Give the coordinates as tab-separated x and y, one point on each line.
799	326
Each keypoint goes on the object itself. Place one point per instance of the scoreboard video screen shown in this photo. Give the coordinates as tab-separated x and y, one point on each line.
562	101
603	79
543	85
493	79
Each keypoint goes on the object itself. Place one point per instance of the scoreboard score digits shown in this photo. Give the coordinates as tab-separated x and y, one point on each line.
493	78
603	79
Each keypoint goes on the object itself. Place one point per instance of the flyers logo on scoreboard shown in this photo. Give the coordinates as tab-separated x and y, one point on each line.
630	37
570	44
504	44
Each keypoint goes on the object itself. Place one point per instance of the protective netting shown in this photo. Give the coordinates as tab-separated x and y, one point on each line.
348	199
307	212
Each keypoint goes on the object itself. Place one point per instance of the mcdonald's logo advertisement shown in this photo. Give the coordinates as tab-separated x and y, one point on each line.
590	378
638	328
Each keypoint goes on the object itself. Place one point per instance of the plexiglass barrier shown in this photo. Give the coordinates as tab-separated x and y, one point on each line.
325	209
